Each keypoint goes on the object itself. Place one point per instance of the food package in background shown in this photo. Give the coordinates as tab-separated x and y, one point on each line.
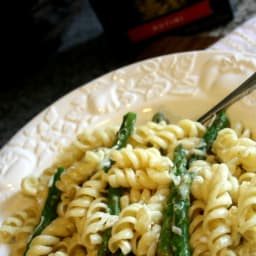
138	20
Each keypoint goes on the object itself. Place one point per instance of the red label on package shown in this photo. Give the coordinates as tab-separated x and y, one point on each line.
171	21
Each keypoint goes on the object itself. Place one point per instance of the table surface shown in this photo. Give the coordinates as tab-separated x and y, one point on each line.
79	62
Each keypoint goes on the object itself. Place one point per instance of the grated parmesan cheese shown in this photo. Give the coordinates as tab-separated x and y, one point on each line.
176	230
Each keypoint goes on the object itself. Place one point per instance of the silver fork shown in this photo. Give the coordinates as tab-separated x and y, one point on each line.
244	89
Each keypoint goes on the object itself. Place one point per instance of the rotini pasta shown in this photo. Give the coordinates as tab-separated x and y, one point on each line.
247	211
100	137
124	229
90	190
150	179
199	236
22	222
146	243
80	171
216	215
222	214
44	243
235	151
96	221
138	158
164	136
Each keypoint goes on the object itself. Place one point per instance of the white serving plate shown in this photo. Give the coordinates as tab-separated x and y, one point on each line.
182	85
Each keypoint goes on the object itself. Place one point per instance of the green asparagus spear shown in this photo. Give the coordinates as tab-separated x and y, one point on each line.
174	232
125	130
180	221
114	209
174	236
103	250
179	201
113	200
221	121
159	117
164	243
114	194
122	136
49	212
179	160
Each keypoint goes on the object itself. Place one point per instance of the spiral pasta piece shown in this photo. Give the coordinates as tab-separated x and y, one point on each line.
161	136
82	170
216	216
247	211
44	243
146	243
22	222
136	167
203	175
97	138
96	221
17	228
139	158
90	190
235	151
198	236
157	135
148	133
134	217
139	179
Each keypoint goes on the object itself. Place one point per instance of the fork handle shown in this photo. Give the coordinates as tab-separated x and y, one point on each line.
244	89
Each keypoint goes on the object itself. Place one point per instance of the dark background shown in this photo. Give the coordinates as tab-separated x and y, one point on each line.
83	53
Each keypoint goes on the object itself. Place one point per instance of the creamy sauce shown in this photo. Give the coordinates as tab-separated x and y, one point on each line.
175	107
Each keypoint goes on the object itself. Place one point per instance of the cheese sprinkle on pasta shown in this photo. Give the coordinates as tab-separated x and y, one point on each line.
223	194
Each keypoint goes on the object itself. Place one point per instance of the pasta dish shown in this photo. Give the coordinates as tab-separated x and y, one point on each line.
153	189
